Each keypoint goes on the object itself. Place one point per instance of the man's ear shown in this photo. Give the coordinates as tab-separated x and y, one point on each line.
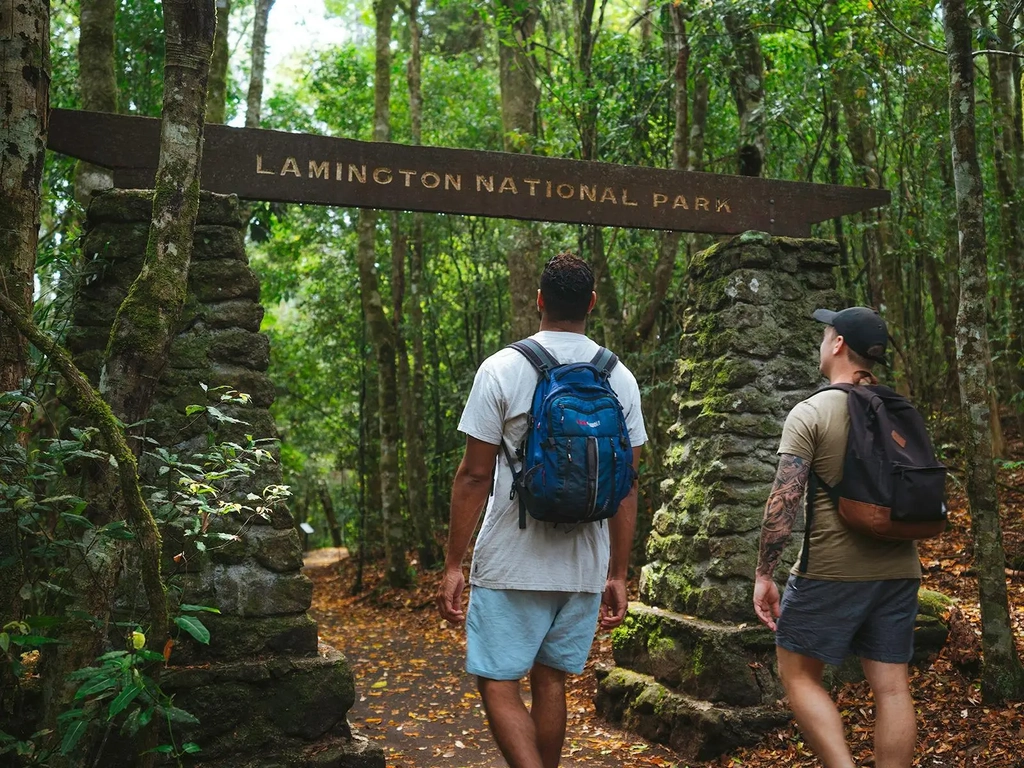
593	301
540	301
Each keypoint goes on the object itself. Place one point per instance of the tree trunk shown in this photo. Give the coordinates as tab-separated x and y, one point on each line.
668	242
332	519
416	474
746	76
254	99
1000	68
24	94
97	82
1002	674
519	99
381	333
217	91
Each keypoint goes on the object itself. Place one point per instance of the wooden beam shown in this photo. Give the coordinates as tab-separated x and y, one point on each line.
323	170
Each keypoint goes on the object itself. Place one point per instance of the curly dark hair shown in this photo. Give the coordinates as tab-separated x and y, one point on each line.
566	285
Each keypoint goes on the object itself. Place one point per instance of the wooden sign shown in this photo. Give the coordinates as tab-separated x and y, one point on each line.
303	168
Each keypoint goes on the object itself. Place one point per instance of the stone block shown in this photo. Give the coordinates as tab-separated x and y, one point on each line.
121	206
109	242
256	384
233	313
250	590
279	551
218	242
693	728
222	279
240	347
715	662
234	638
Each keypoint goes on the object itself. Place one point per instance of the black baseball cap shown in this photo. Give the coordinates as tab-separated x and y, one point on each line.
861	328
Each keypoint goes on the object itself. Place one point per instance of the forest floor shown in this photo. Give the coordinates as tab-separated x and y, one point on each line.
413	696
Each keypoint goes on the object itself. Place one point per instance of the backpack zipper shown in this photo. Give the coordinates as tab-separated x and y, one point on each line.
592	474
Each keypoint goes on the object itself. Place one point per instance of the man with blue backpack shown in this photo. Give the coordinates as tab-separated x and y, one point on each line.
553	434
861	455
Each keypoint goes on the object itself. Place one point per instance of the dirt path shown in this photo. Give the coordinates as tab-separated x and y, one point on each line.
413	695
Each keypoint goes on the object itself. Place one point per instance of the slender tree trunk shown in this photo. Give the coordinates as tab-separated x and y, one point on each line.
24	101
415	413
668	242
1002	674
217	91
746	76
381	332
519	99
97	82
254	99
332	519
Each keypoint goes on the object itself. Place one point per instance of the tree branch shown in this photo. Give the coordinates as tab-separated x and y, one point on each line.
86	402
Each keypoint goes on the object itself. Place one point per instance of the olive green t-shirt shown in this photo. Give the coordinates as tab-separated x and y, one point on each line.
816	431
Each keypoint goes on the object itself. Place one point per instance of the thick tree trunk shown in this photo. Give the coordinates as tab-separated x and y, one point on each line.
519	99
254	98
217	90
746	76
1002	89
97	82
1002	673
668	242
380	331
24	105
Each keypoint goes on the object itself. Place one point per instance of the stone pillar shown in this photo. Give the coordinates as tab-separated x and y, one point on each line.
265	692
694	668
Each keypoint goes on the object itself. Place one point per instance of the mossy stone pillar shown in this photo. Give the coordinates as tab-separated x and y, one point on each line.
694	668
266	692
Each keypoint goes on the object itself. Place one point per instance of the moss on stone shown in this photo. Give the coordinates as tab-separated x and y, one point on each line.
932	603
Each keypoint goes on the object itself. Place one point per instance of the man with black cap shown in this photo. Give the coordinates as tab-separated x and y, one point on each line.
858	594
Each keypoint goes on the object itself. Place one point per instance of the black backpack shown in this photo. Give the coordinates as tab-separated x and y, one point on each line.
892	486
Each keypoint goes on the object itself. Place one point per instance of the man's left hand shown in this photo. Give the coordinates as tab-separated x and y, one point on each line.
613	603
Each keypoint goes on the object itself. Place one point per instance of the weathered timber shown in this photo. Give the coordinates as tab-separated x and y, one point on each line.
302	168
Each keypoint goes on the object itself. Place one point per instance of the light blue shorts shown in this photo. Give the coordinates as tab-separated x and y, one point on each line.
508	630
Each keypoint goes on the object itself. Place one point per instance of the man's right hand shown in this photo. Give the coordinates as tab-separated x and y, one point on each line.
449	595
766	601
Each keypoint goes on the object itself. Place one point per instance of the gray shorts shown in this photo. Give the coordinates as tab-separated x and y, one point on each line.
829	620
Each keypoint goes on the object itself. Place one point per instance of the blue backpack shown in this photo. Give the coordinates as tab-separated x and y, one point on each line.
576	460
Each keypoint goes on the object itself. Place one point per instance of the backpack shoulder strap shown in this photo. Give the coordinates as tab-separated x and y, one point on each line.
539	357
605	361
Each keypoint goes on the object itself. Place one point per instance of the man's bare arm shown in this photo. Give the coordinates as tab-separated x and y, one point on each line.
781	510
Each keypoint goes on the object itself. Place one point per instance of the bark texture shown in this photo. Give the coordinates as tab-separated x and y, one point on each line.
668	242
1002	674
217	90
254	99
519	99
381	333
97	82
413	408
746	77
24	104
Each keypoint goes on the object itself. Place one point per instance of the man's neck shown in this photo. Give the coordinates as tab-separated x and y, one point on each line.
846	376
565	326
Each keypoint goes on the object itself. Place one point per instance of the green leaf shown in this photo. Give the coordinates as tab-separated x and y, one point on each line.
194	627
175	715
97	686
190	409
188	607
163	749
145	716
190	748
78	520
123	699
147	655
72	736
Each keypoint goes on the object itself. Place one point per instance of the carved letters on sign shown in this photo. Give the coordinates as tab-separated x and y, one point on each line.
302	168
351	173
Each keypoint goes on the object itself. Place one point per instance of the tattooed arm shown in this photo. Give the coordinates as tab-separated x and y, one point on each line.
780	513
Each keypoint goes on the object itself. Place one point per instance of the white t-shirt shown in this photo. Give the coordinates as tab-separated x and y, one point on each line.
542	556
